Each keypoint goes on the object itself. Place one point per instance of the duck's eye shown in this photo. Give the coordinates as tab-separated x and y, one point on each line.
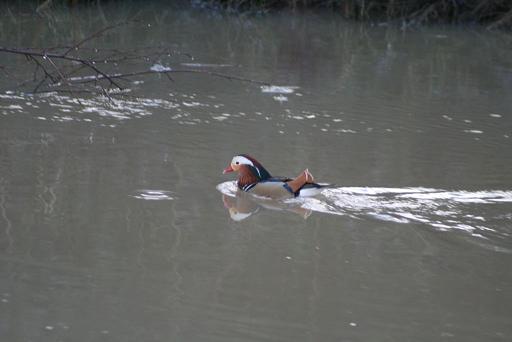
237	163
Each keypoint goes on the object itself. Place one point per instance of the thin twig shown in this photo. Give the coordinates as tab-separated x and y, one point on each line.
95	35
192	71
63	78
57	56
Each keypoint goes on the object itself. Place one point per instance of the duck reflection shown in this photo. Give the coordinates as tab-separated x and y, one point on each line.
243	205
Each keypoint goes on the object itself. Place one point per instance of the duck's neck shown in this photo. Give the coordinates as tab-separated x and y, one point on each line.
246	177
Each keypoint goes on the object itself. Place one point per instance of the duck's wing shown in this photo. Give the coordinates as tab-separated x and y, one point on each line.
274	189
278	179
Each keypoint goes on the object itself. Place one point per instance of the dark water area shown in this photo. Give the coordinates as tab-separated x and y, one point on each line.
116	223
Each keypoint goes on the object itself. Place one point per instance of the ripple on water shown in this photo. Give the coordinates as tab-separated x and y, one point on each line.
273	89
184	109
193	109
154	195
441	209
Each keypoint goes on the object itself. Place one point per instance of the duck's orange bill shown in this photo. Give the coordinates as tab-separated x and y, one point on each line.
228	169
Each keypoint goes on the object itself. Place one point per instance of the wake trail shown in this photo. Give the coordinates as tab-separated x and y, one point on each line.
476	212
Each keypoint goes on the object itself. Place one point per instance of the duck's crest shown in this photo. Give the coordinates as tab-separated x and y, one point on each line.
258	170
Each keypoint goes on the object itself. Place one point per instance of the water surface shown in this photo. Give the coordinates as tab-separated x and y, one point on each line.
116	223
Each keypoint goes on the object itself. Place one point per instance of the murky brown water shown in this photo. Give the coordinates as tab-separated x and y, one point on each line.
113	228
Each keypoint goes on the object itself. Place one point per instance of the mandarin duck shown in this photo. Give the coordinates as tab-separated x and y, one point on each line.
255	179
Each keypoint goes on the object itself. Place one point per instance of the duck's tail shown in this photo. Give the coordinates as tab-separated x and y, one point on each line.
313	189
309	177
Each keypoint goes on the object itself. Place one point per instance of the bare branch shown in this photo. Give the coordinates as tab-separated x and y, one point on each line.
42	67
99	71
191	71
96	35
64	57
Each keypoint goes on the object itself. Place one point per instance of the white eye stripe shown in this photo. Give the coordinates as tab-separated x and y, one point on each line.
241	160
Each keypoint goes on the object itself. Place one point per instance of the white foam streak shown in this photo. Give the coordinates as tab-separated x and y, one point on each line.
154	195
440	209
228	188
464	196
273	89
159	68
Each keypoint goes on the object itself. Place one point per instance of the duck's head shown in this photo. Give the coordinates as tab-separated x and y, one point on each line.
247	165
